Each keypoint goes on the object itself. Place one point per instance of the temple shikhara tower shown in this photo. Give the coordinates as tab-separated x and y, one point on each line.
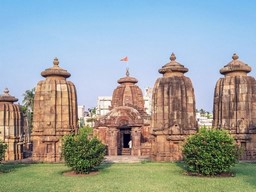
55	113
11	126
173	111
125	129
235	105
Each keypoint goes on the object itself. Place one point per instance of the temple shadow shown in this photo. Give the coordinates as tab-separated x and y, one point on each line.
104	165
10	167
181	165
246	172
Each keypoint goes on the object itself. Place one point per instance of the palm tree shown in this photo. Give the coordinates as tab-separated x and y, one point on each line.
28	100
28	106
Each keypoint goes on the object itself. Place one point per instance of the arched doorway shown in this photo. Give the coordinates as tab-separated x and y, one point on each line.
125	141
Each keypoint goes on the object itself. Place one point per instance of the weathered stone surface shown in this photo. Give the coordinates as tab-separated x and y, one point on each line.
235	105
125	122
55	113
173	111
11	126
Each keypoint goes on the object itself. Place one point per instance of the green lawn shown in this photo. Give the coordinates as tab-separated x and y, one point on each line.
159	177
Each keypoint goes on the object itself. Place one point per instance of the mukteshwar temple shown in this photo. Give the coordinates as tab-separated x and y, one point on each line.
125	129
11	126
173	111
55	113
235	105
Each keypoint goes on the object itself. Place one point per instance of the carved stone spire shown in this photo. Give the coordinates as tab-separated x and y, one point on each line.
55	113
11	124
235	104
173	111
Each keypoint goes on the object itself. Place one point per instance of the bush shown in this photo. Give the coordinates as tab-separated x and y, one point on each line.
3	148
82	153
210	152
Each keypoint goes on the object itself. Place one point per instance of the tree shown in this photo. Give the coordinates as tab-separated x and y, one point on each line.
3	148
81	152
27	109
28	100
210	152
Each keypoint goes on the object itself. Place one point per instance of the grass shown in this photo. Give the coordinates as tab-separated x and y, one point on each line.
139	177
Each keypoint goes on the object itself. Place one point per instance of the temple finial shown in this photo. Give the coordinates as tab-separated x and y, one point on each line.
127	72
6	91
56	61
235	56
172	57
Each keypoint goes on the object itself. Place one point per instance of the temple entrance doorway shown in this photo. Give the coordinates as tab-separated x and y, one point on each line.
125	145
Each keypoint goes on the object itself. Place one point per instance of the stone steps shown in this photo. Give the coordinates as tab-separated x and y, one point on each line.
126	151
126	159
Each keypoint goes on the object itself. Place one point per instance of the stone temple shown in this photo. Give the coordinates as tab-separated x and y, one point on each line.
125	129
173	111
235	105
55	113
11	126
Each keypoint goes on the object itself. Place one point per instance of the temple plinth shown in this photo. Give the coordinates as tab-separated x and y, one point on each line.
173	111
235	105
55	113
11	126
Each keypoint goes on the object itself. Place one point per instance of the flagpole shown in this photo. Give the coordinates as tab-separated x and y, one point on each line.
125	59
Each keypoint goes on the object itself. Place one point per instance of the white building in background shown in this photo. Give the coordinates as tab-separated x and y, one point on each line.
85	118
204	121
148	100
104	102
81	111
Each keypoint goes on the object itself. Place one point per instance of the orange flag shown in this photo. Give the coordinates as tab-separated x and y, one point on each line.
124	59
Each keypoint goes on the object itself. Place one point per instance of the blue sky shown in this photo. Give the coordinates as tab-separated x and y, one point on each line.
90	38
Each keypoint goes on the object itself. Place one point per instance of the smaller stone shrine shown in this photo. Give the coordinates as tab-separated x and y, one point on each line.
173	112
55	113
11	126
125	129
235	105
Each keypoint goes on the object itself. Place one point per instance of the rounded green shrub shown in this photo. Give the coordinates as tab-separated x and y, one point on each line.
210	152
81	152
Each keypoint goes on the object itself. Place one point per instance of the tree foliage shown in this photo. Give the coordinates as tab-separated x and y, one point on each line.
81	152
3	148
210	152
28	100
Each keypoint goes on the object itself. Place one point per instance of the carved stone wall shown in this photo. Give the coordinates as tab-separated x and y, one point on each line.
55	113
235	105
173	111
11	126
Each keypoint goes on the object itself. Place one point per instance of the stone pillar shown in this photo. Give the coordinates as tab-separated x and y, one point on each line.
136	141
112	141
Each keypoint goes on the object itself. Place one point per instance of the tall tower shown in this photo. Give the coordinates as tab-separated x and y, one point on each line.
173	111
11	126
55	113
235	105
